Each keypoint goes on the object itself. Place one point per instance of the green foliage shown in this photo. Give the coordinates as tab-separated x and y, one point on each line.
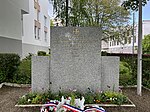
133	4
125	73
90	97
72	102
2	77
111	97
51	23
8	66
103	13
119	99
24	72
132	62
41	53
146	44
103	53
37	99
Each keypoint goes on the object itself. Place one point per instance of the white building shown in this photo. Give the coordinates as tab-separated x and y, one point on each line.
24	26
11	12
36	32
126	45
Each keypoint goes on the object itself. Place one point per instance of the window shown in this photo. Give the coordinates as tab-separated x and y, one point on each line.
45	35
45	20
129	40
38	33
128	32
35	32
125	40
110	43
117	42
134	39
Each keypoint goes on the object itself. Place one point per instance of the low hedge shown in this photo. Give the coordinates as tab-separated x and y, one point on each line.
8	66
41	53
23	75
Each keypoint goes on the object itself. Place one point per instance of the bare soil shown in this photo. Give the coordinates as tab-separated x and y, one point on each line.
10	95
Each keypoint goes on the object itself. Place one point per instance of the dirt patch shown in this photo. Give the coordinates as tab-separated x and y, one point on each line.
10	95
142	102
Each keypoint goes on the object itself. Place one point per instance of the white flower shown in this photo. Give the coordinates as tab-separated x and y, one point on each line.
23	96
74	90
29	100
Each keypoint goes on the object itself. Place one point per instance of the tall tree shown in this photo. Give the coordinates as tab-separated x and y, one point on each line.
108	15
133	4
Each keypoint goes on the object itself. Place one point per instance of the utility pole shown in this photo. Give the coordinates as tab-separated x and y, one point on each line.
133	34
133	40
139	71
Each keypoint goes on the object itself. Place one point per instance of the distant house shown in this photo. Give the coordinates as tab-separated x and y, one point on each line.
126	44
24	26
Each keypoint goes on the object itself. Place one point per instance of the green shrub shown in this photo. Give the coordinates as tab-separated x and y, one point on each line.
132	62
41	53
24	72
2	77
125	73
8	66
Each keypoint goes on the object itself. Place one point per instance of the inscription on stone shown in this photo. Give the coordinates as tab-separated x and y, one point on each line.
72	42
75	55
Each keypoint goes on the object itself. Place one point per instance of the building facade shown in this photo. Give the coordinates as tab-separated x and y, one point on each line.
36	32
128	44
11	12
24	26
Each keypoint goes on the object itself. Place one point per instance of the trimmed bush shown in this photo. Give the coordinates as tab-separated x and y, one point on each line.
125	73
8	66
41	53
23	75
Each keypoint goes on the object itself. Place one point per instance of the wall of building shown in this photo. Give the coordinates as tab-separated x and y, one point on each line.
10	25
146	27
28	37
10	20
22	4
128	47
8	45
29	48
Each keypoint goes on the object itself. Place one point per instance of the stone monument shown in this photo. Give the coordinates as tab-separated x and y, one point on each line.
75	63
75	58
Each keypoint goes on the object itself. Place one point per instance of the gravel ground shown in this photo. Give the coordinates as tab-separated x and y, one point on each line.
10	95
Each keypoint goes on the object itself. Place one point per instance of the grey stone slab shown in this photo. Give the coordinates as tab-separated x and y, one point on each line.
76	63
110	73
75	59
40	73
